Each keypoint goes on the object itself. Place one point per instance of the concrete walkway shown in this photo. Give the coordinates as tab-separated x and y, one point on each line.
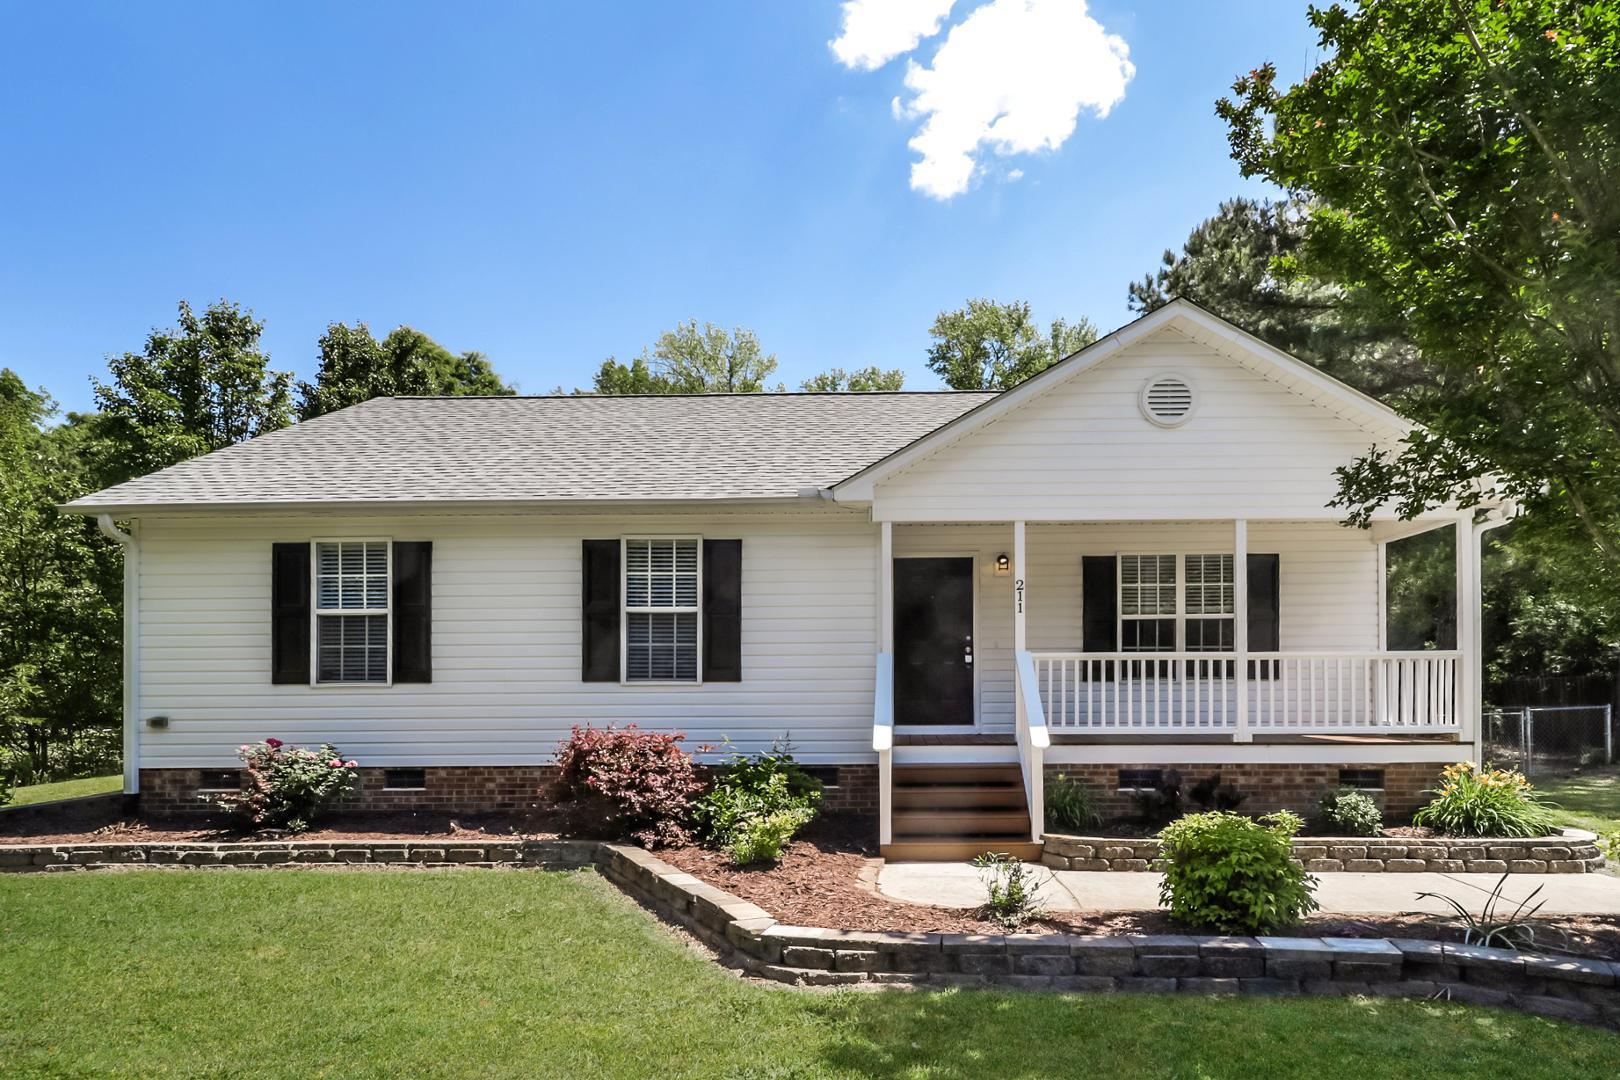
958	885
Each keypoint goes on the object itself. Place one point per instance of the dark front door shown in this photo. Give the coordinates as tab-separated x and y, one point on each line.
933	641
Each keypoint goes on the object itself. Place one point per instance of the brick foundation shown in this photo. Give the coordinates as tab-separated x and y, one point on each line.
464	789
1269	786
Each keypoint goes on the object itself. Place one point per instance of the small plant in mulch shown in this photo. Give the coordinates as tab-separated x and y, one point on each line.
1013	894
1473	801
1348	812
756	805
1491	927
1233	873
629	782
1071	806
288	787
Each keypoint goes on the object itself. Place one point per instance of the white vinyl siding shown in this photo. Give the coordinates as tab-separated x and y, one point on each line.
351	611
661	627
506	641
1083	451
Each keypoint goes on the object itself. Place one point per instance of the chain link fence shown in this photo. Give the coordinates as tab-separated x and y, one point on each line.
1549	738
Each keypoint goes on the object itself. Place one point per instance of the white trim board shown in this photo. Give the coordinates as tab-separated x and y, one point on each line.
1252	753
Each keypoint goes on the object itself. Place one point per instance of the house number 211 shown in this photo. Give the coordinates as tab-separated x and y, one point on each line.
1018	591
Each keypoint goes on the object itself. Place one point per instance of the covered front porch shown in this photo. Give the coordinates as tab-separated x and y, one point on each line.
1019	643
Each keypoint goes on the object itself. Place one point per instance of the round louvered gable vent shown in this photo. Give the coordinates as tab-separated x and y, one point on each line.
1168	400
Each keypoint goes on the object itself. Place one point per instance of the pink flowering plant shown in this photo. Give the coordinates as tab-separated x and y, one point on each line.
288	787
631	783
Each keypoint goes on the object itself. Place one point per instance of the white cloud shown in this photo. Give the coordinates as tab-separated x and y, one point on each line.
1015	175
877	31
1013	77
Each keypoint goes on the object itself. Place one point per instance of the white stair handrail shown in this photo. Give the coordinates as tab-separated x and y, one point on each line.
1033	739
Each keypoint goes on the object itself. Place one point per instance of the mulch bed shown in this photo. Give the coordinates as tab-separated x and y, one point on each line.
108	825
818	882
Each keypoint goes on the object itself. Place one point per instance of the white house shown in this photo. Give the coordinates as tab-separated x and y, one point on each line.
1123	566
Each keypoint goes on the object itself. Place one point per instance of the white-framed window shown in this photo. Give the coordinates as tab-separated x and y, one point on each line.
351	639
1176	603
662	623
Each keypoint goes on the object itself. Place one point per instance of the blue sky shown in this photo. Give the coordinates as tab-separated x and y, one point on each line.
554	184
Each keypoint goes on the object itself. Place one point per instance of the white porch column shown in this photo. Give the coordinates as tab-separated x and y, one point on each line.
1469	638
885	582
1020	640
1240	625
885	644
1382	547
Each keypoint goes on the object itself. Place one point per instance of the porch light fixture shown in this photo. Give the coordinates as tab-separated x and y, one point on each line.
1003	565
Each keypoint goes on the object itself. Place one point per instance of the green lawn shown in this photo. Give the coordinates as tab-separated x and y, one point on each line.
65	789
470	972
1588	801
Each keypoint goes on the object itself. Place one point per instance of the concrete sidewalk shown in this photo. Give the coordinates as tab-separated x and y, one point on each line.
958	885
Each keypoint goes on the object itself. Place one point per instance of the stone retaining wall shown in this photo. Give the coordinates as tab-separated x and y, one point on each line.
750	938
549	854
1575	851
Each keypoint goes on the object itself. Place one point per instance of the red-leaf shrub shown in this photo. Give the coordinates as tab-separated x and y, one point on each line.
638	783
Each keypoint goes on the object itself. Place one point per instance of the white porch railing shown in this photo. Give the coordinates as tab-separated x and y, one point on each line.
1287	692
1033	739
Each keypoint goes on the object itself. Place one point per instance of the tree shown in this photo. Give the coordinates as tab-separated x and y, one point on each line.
1242	264
194	389
1460	157
866	378
59	602
356	367
992	346
692	360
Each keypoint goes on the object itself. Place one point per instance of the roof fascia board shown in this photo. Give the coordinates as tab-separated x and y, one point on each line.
407	506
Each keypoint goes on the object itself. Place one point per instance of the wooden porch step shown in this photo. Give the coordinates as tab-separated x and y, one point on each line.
918	775
978	822
959	849
959	796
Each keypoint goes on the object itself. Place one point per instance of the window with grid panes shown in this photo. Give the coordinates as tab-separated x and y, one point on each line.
661	610
1169	599
351	611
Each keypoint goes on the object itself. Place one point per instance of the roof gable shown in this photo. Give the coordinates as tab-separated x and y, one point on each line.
1337	399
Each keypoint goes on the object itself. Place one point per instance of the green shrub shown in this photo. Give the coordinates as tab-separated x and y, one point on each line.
762	838
1070	805
756	804
1233	873
1485	802
288	787
1348	812
5	791
1013	897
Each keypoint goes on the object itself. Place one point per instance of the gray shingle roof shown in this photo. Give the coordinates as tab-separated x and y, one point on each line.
519	449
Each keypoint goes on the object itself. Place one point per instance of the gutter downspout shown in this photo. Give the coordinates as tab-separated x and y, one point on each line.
132	650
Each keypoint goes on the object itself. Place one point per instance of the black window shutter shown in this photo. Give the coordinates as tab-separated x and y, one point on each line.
413	611
599	620
289	613
722	611
1265	601
1099	603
